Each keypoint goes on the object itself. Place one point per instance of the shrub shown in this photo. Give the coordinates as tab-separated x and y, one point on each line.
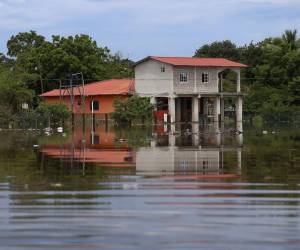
133	110
52	113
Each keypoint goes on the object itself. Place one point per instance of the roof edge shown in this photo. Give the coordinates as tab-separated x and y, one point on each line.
156	58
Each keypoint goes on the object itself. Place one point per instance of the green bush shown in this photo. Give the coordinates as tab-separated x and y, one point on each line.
258	121
133	110
52	113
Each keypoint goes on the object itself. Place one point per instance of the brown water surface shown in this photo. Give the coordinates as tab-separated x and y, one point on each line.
145	188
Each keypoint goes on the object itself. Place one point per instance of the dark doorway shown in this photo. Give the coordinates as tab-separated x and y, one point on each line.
162	103
186	109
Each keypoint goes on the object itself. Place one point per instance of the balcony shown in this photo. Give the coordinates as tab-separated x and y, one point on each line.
198	88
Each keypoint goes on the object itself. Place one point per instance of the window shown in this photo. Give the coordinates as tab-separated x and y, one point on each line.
162	69
183	77
94	105
205	77
95	139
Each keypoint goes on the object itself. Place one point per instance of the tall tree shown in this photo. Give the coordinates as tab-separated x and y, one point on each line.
24	41
57	59
290	39
225	49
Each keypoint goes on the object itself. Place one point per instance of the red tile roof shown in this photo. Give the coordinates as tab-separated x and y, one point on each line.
195	61
106	87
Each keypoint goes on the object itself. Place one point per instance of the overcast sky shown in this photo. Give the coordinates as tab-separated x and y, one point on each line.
138	28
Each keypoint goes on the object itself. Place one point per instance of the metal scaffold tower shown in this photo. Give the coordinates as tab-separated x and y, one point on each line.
73	91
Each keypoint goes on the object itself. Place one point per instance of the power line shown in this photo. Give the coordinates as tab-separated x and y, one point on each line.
169	79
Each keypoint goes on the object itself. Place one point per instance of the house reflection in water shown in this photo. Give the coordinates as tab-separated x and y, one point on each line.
201	151
98	146
192	150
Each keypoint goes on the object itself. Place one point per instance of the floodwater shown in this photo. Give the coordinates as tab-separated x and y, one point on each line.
144	188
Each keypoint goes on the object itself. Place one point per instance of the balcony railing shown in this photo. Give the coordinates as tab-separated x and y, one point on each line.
190	88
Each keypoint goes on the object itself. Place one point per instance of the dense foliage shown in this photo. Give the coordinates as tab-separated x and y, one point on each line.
34	65
52	113
56	59
133	110
272	79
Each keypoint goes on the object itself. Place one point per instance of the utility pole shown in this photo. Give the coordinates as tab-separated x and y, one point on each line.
41	79
42	84
72	101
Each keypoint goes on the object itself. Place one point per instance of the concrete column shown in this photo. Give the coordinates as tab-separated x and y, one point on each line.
222	109
171	103
239	160
222	104
240	140
153	102
239	113
172	140
195	109
221	83
238	81
218	138
195	134
217	109
178	109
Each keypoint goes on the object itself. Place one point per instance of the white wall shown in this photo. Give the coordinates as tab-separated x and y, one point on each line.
195	80
172	159
149	80
155	159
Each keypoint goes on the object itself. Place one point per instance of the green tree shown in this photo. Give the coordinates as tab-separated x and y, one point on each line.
225	49
290	39
58	58
52	113
133	110
294	91
24	42
12	95
272	76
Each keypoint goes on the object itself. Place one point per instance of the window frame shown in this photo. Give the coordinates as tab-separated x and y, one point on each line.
202	75
183	77
162	69
93	107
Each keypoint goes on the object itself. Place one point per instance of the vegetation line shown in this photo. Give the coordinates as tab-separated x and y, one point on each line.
34	65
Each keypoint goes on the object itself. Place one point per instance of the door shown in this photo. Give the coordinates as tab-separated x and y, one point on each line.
186	109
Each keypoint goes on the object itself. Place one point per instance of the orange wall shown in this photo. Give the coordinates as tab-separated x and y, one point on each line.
106	103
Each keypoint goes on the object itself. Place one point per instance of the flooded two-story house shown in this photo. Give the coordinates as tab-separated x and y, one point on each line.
188	89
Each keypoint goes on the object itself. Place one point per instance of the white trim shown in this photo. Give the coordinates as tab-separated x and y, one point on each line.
208	76
187	77
195	79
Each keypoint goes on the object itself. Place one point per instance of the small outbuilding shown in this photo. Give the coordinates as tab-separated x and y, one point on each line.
93	98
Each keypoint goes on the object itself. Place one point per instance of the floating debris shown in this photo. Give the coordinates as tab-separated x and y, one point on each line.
128	186
60	129
121	140
56	185
235	132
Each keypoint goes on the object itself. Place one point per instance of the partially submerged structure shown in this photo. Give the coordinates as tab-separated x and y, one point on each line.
94	98
182	89
188	88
